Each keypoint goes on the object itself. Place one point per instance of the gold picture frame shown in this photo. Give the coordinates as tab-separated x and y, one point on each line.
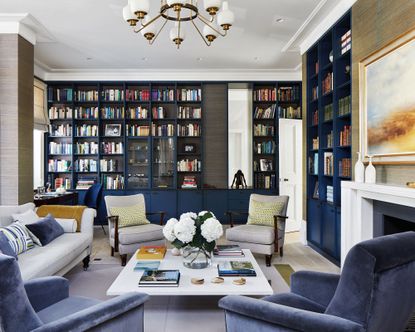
385	99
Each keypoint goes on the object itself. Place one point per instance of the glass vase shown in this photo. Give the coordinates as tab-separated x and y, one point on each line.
196	258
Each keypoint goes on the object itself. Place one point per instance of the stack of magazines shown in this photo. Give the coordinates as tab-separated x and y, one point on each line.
228	250
236	269
160	278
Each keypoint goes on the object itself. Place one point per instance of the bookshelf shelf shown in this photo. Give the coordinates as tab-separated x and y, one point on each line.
328	120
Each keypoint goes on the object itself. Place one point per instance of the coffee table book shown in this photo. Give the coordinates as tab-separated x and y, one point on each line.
236	269
151	252
147	265
228	250
157	278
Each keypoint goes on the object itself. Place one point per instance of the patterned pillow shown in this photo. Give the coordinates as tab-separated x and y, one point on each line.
18	237
262	213
130	215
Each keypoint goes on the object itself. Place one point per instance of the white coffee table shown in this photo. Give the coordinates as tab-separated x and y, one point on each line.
127	280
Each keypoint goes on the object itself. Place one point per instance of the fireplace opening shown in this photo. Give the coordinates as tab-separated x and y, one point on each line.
391	218
392	225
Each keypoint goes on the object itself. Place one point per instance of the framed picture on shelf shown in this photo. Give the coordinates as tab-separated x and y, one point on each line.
189	148
265	165
387	103
113	130
316	194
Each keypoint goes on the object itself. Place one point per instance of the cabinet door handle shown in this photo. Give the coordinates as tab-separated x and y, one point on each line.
285	180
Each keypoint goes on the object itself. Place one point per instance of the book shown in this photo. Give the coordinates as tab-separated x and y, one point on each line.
228	250
151	252
164	278
148	265
236	268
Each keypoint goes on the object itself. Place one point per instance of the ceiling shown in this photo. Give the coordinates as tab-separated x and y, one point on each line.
91	35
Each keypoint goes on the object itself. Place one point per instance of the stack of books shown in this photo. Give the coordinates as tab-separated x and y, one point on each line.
330	197
151	252
236	269
147	265
346	42
228	250
189	182
84	183
160	278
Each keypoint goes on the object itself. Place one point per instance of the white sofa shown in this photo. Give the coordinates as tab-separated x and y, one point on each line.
59	256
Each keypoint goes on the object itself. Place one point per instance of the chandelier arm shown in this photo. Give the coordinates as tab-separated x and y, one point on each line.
200	33
155	37
147	24
178	28
205	21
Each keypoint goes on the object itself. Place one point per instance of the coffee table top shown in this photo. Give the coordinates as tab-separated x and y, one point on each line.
127	280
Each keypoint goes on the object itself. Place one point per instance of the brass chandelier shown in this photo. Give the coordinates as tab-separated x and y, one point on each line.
179	11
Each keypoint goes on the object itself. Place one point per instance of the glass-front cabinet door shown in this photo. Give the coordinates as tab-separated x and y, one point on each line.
163	162
138	163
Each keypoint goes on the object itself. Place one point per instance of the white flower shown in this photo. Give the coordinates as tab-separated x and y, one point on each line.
168	230
185	229
211	229
202	213
188	215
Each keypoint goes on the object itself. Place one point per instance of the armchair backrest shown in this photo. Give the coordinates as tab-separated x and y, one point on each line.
267	198
93	196
120	201
376	287
16	312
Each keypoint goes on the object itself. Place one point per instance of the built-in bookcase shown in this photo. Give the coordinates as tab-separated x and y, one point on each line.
328	134
271	101
125	135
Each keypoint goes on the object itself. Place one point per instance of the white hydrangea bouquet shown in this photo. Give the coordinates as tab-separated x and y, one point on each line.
196	235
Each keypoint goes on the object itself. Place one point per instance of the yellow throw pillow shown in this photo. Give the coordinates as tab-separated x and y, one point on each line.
130	215
262	213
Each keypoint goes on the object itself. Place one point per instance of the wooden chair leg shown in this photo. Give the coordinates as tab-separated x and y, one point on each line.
112	251
123	260
281	252
268	259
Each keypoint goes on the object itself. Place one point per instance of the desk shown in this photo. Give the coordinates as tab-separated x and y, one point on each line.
70	198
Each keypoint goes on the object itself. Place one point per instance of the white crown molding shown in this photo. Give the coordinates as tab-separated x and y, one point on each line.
172	75
342	7
12	24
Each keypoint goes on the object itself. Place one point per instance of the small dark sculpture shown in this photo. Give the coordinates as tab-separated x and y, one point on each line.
239	180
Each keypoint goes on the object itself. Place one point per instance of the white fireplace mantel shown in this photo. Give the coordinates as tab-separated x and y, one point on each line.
357	209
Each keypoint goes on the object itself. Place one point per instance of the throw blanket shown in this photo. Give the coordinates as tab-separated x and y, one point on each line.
63	211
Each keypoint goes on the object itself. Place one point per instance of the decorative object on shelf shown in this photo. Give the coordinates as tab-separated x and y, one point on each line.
316	193
387	118
135	13
239	180
113	130
189	148
370	172
331	56
61	190
196	234
359	169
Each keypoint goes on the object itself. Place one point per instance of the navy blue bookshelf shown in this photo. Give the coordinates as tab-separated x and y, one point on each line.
326	60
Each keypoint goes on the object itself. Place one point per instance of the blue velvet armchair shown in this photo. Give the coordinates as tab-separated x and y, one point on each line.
44	304
375	292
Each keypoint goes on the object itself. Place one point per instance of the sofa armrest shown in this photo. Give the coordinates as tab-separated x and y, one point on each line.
43	292
266	313
316	286
87	222
96	315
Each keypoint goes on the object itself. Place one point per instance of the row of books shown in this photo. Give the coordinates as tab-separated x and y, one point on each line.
267	147
63	182
328	163
137	94
112	112
86	148
86	113
62	130
345	167
265	94
289	112
345	105
137	113
112	95
137	130
109	165
314	119
327	84
189	165
265	113
328	112
314	93
112	147
329	139
290	93
159	112
345	138
187	112
162	130
162	94
313	164
86	130
189	130
86	165
60	94
60	148
262	181
263	165
59	165
263	130
316	143
111	182
189	94
86	95
60	113
329	194
189	182
346	42
85	183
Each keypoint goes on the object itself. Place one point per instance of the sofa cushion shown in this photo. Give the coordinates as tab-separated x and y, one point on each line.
133	215
262	213
65	308
46	229
5	246
251	234
18	237
136	234
6	212
28	217
68	225
48	260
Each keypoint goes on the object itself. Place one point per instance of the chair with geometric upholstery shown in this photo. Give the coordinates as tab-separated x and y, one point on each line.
126	240
265	238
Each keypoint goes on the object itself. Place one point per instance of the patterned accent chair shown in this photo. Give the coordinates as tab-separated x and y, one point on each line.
258	238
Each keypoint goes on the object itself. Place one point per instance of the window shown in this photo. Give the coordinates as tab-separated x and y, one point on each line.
38	158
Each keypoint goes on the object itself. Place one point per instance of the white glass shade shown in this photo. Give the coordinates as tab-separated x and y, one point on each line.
174	32
174	2
211	4
225	16
208	31
127	14
142	6
148	29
